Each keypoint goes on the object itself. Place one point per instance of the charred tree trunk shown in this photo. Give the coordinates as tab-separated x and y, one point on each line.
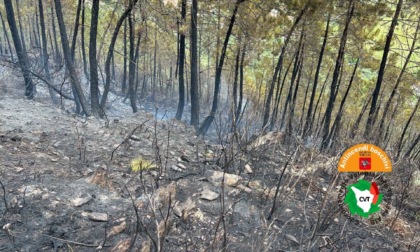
397	83
94	86
209	120
304	101
334	83
67	56
124	80
295	71
375	95
316	78
195	98
57	57
277	71
76	29
154	80
241	85
6	35
293	103
22	36
235	84
400	142
412	146
319	99
132	66
110	54
82	31
21	53
181	62
359	119
336	125
45	51
280	85
73	49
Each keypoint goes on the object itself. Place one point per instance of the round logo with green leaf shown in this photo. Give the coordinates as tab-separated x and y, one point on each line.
363	198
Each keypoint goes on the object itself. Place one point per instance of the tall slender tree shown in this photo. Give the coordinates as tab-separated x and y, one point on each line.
181	62
21	53
397	82
45	51
94	89
336	74
195	98
277	71
69	61
6	35
373	107
308	122
110	53
57	58
73	50
204	127
132	65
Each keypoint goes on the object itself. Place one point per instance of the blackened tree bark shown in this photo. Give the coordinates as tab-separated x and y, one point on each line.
76	28
316	78
124	80
67	56
289	100
73	50
279	92
195	99
397	83
181	62
154	80
412	146
45	51
336	74
337	122
132	66
319	99
302	114
21	53
38	35
241	85
400	142
82	31
373	107
355	127
267	108
293	102
110	53
6	35
93	64
235	83
209	119
22	36
37	39
57	57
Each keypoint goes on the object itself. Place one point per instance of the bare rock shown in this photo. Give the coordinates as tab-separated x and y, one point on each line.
185	209
209	195
176	168
248	169
80	201
216	178
118	229
122	245
98	216
267	139
181	166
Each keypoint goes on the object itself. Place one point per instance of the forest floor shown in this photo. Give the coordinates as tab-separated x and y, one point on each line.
67	185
